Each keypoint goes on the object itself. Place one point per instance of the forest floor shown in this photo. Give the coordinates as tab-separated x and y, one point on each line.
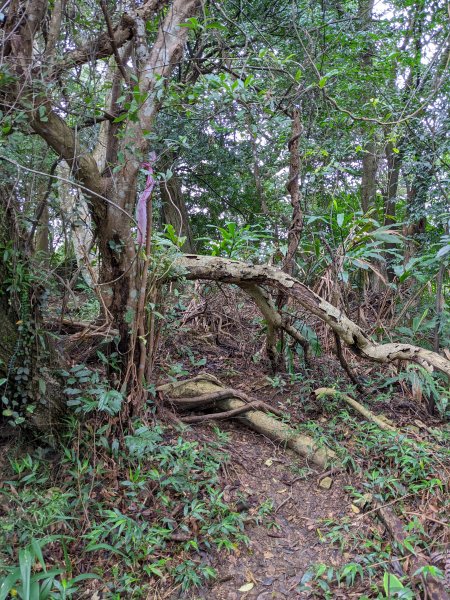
287	542
309	533
311	540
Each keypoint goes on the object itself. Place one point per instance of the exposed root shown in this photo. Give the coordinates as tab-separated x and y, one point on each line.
227	414
223	394
382	424
251	413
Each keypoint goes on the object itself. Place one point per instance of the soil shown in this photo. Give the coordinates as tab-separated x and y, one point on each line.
287	542
279	491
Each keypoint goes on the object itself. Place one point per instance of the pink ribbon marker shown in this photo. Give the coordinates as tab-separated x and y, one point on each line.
141	208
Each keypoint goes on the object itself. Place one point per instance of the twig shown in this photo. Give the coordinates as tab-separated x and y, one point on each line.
113	43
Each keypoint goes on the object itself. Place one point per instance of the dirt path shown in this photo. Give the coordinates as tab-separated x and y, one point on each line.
287	541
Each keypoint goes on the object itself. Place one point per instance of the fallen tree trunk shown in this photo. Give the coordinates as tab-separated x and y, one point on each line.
232	271
256	419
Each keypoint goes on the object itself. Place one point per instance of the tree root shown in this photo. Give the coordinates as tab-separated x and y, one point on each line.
382	424
232	271
434	588
208	386
223	394
227	414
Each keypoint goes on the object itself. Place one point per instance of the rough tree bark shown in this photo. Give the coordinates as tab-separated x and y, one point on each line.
293	187
76	213
232	271
370	159
368	179
112	193
296	223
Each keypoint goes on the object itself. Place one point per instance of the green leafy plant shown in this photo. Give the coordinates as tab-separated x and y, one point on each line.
95	397
236	242
394	588
24	582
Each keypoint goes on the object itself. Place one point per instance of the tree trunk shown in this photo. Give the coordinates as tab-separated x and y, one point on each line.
368	180
370	159
42	243
8	315
29	391
8	334
394	162
174	211
393	175
76	212
112	192
293	187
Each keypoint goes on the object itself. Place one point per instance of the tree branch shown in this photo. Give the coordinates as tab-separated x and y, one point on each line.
103	45
232	271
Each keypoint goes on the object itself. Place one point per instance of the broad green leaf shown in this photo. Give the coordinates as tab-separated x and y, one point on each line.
391	584
8	583
387	237
443	251
25	564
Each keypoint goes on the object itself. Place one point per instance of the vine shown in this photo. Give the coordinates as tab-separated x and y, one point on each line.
18	394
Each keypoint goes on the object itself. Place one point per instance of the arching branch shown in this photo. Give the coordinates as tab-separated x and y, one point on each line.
233	271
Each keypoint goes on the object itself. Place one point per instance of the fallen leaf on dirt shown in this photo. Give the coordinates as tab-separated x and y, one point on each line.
268	555
355	509
282	491
247	587
269	462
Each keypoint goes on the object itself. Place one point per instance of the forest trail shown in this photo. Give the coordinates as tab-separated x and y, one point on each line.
301	535
287	541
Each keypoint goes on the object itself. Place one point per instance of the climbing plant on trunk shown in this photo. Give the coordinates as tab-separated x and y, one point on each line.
154	35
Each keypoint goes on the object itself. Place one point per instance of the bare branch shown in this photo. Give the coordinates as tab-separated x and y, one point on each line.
233	271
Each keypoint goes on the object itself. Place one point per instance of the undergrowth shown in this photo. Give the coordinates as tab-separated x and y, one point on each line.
408	472
126	517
